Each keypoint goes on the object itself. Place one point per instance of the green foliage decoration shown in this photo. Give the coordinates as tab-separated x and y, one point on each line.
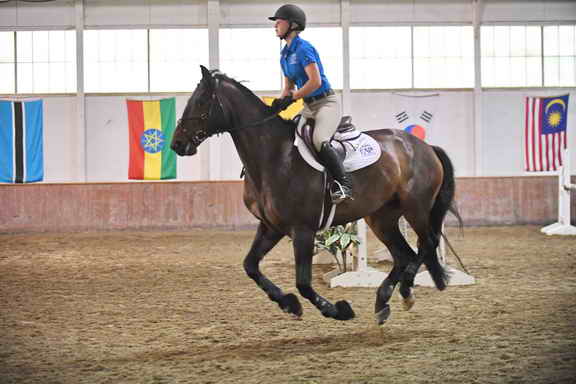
339	239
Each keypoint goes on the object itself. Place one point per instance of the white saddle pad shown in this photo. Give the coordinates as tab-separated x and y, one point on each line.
361	150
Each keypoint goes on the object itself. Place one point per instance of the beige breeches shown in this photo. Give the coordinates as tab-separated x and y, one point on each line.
327	114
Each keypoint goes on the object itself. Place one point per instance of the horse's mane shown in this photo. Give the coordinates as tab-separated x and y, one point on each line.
248	93
245	91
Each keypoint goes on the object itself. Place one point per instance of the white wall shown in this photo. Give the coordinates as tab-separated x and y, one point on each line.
528	10
158	13
107	151
25	14
250	13
500	136
451	126
255	12
488	145
60	145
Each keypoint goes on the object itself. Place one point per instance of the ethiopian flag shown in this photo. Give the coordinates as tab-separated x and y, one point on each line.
151	125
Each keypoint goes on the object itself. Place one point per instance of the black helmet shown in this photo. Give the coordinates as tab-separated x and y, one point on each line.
291	13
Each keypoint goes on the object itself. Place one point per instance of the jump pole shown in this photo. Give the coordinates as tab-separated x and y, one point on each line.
563	225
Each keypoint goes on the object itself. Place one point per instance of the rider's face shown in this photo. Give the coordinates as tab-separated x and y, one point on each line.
281	26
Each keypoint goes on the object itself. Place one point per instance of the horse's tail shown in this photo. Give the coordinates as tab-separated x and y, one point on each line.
444	203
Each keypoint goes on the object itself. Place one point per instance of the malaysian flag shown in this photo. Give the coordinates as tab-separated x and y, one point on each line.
545	132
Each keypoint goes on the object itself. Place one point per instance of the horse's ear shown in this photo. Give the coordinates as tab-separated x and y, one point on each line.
205	73
207	78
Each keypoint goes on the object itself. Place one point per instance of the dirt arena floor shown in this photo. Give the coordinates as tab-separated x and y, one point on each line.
176	307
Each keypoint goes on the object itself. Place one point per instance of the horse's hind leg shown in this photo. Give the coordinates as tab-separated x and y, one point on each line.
303	240
389	233
264	241
428	240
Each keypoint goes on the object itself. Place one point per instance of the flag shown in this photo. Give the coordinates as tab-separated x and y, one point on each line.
289	112
151	126
21	141
415	114
545	132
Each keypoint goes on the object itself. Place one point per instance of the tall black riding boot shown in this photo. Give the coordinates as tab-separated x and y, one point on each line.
332	161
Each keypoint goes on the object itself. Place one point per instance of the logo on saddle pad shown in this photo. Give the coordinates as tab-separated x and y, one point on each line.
360	149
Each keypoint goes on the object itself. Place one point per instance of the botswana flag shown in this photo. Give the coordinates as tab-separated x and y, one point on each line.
21	148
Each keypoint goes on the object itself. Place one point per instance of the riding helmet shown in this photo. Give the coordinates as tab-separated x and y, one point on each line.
292	14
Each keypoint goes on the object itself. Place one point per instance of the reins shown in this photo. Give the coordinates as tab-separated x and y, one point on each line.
255	123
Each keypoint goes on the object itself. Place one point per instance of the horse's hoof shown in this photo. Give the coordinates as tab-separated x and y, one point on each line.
295	317
383	315
408	302
344	311
290	304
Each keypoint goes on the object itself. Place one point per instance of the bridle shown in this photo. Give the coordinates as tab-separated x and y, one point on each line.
201	134
204	118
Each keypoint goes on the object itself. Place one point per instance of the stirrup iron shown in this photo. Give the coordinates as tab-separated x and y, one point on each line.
342	193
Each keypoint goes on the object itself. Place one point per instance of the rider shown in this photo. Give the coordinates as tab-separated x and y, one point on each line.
302	67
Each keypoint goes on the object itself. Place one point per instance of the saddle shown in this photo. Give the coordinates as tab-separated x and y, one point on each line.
356	148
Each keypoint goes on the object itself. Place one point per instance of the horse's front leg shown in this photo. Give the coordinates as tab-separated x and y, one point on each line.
303	240
264	241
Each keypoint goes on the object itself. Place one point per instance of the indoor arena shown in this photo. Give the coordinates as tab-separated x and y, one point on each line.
327	191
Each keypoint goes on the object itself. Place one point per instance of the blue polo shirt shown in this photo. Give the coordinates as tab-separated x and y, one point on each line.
295	57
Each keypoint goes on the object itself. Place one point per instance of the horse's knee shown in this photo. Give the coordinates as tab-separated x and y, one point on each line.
431	241
251	269
411	269
434	241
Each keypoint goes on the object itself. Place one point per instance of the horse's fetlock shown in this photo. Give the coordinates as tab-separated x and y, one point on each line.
254	276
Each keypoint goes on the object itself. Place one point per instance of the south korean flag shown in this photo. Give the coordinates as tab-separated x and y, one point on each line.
415	114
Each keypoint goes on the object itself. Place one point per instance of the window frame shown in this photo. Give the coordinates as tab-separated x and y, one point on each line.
272	57
412	57
16	89
11	62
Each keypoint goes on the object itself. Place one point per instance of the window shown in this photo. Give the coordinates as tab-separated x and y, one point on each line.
560	56
251	56
7	85
380	57
444	57
511	56
46	61
328	43
175	59
116	61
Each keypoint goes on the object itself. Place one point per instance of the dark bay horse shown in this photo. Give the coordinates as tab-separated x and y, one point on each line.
411	179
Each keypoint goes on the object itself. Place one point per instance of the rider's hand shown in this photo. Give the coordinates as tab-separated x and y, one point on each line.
280	104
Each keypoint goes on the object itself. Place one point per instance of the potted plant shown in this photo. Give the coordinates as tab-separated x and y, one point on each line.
338	241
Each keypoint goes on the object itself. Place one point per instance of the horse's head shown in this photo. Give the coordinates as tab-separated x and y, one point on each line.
201	118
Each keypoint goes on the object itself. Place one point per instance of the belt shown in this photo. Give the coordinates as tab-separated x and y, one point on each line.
312	99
